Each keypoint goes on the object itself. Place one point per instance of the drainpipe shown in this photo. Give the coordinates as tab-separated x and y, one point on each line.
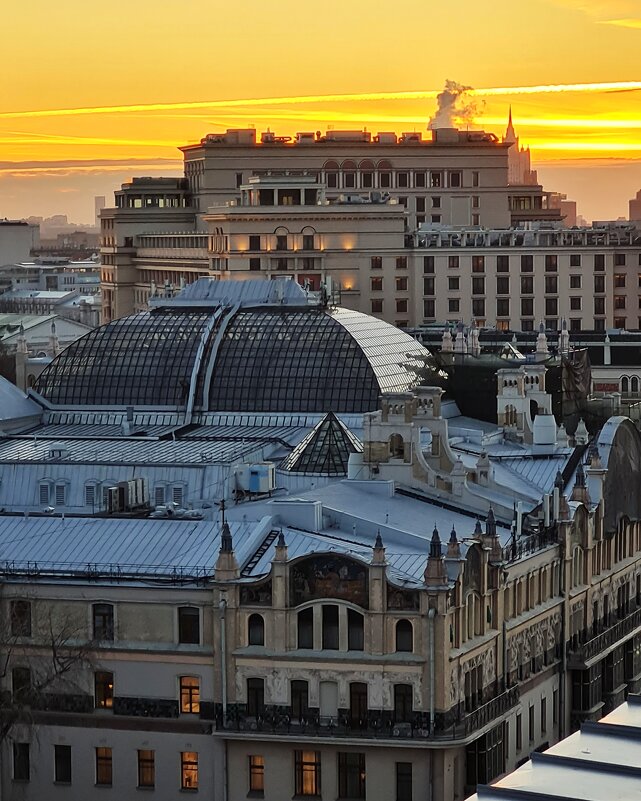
222	608
431	614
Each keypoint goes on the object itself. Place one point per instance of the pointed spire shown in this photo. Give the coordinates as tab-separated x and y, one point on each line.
478	531
453	547
281	541
378	543
558	481
226	544
378	552
490	524
453	537
510	133
579	480
280	551
435	545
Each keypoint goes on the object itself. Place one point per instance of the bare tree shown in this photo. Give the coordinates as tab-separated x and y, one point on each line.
47	672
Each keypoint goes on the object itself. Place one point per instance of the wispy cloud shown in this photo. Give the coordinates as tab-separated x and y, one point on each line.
311	99
624	23
70	166
622	13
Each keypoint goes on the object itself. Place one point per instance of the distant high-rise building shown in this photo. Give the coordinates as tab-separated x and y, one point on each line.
100	201
559	200
519	170
635	207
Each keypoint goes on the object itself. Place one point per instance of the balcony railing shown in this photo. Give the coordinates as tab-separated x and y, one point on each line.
582	652
278	720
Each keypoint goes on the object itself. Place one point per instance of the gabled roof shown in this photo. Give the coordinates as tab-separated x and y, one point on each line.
325	450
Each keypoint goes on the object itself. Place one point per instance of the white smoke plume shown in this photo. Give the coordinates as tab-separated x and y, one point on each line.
454	108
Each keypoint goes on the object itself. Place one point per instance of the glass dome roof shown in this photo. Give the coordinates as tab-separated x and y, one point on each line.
264	359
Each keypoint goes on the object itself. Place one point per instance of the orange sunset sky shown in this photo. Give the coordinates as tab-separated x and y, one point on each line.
95	93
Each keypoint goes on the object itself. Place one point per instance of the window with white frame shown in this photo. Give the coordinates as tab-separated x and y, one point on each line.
44	491
61	494
159	494
177	494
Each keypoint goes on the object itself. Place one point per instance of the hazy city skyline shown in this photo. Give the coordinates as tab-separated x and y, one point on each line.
92	110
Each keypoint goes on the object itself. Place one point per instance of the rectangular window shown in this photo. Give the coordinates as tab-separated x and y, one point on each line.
551	306
544	715
436	179
20	619
189	625
377	284
619	280
404	781
257	774
453	283
527	263
519	732
254	242
376	263
428	264
307	773
502	285
575	260
453	262
575	324
90	494
475	178
619	259
177	495
503	307
527	325
377	307
435	218
43	495
61	494
428	309
476	202
599	262
402	180
453	305
502	264
189	694
476	219
555	706
531	723
478	285
575	282
428	286
599	324
21	683
419	179
599	283
308	241
401	307
527	285
420	205
455	179
189	770
103	622
104	689
159	495
239	180
62	763
551	284
478	264
255	697
436	202
619	322
146	768
478	309
575	304
551	263
254	264
104	766
401	284
401	262
21	766
330	627
351	775
281	242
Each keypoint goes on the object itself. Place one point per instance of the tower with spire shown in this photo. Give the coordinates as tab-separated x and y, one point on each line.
519	167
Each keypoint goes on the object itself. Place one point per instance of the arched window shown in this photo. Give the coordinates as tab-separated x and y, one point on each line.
306	628
349	174
396	446
625	384
384	174
355	631
634	384
256	630
404	636
331	174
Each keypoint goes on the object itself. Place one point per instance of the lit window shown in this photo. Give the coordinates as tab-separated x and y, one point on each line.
307	773
189	694
257	774
104	766
104	689
189	770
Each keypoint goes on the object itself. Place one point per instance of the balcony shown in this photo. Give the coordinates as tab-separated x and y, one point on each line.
375	725
589	651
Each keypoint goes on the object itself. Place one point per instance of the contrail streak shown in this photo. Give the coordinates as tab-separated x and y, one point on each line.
337	98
